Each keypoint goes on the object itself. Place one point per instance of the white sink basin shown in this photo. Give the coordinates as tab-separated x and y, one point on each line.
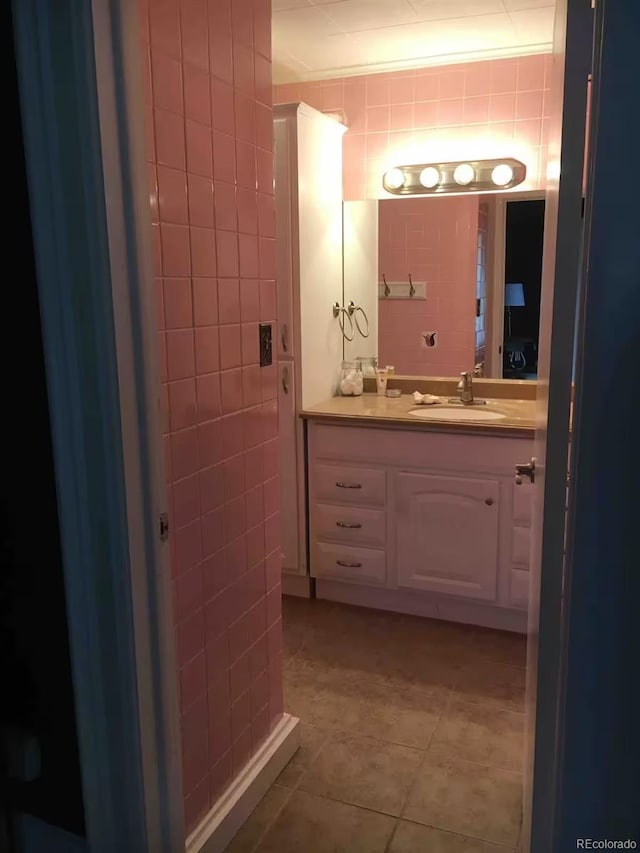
456	413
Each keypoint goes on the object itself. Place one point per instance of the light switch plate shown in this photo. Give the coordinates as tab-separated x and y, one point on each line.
266	348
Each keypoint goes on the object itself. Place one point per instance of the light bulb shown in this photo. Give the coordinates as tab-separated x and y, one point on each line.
502	175
430	177
464	174
394	179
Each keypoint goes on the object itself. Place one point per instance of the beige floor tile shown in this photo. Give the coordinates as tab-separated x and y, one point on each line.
391	660
403	713
293	637
323	706
499	684
481	802
363	772
406	716
414	838
311	824
259	821
479	733
311	741
500	646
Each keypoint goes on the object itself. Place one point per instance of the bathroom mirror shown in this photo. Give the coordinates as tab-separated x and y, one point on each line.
438	285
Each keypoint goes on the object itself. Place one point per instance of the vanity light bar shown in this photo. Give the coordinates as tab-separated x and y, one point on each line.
461	176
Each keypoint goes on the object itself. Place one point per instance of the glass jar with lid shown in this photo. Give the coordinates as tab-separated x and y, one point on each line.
368	364
351	380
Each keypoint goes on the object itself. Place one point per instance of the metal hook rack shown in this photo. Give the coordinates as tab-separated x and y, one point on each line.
409	289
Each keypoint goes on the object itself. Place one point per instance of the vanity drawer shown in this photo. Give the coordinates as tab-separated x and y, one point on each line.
352	525
340	484
522	503
344	562
520	546
519	590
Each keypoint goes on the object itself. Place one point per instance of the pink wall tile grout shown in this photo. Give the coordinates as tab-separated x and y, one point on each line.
493	108
207	81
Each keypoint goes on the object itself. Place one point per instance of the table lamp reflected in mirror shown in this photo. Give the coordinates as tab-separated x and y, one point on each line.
513	298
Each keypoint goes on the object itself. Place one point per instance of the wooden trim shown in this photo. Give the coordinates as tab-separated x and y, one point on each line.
551	591
77	66
120	102
497	253
235	805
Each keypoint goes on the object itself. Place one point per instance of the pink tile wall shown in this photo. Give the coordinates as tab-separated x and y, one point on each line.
207	76
436	241
495	108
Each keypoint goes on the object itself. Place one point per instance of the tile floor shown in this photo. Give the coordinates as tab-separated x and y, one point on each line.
412	737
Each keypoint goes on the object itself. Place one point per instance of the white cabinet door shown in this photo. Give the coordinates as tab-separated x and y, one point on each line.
360	271
319	227
447	534
289	425
286	234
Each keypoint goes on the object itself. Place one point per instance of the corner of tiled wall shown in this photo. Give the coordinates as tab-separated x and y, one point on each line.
207	83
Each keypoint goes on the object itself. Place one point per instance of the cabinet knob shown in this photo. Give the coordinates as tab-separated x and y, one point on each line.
488	501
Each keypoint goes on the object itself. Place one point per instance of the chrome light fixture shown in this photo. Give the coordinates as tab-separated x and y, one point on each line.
464	174
430	177
502	175
394	179
461	176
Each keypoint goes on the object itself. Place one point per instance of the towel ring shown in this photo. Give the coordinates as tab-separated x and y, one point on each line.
340	314
355	319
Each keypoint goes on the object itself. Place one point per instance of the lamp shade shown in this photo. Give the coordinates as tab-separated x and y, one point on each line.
514	295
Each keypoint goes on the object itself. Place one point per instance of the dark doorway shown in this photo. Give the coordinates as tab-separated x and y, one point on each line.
39	756
523	274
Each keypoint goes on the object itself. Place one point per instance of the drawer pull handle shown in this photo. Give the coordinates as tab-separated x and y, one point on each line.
348	564
488	501
342	485
349	525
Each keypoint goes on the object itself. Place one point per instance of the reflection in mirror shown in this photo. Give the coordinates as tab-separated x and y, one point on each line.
522	274
446	283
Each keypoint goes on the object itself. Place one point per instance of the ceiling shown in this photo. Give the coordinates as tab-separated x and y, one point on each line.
320	39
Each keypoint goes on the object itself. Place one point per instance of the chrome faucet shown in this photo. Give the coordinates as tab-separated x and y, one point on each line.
465	388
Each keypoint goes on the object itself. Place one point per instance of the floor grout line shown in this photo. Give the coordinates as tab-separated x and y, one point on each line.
448	650
392	836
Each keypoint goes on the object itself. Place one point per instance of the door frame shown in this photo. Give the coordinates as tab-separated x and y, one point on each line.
79	81
600	667
550	585
496	251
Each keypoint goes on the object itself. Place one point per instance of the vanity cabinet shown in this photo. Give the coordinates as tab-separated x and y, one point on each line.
420	521
447	534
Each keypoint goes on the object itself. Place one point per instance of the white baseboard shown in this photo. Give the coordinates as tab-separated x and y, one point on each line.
423	604
298	585
234	806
